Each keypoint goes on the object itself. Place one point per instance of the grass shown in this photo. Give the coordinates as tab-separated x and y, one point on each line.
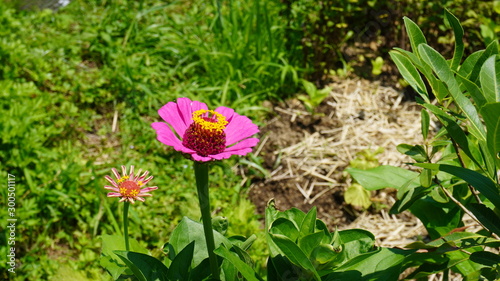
64	78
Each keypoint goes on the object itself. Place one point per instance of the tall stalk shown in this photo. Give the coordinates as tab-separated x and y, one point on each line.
201	174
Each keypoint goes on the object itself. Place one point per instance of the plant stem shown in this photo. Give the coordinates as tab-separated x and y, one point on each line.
125	225
201	174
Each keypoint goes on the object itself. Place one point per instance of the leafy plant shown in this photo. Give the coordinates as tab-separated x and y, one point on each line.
459	162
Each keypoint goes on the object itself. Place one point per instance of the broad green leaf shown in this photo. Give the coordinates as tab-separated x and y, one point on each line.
383	264
356	242
441	68
358	196
463	265
285	227
179	268
311	241
383	177
410	74
144	267
439	219
110	260
483	184
491	116
188	231
486	216
323	254
246	271
294	253
474	91
415	35
438	194
424	123
490	78
485	258
426	178
458	31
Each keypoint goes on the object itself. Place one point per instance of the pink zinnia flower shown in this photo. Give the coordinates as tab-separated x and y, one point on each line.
129	186
204	134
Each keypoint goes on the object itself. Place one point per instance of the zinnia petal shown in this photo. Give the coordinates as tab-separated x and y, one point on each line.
239	128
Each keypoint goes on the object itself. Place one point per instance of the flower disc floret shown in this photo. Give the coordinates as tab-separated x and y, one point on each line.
129	187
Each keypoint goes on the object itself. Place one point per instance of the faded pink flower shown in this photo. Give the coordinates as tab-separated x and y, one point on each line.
204	134
129	186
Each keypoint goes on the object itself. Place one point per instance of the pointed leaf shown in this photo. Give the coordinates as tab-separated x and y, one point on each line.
144	267
491	116
483	184
383	177
490	78
179	268
415	35
486	216
294	254
246	271
309	223
458	31
410	74
474	91
425	123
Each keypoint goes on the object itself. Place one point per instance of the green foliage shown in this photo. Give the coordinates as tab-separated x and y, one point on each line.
302	248
460	161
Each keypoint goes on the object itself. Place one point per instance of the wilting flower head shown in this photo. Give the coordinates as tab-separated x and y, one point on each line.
204	134
129	186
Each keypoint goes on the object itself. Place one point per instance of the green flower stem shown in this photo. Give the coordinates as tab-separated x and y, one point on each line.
201	174
125	225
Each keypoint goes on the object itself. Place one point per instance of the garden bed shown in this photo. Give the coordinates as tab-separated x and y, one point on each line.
306	154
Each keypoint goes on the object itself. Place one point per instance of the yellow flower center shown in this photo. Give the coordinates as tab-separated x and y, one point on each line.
129	189
209	120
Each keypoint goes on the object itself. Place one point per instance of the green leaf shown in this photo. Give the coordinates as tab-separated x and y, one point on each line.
410	74
285	227
490	78
491	49
458	31
383	177
408	197
474	91
425	123
415	35
383	264
483	184
110	260
426	178
309	223
144	267
188	231
416	152
246	271
441	68
485	258
454	130
179	268
357	196
491	116
309	242
294	253
486	216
